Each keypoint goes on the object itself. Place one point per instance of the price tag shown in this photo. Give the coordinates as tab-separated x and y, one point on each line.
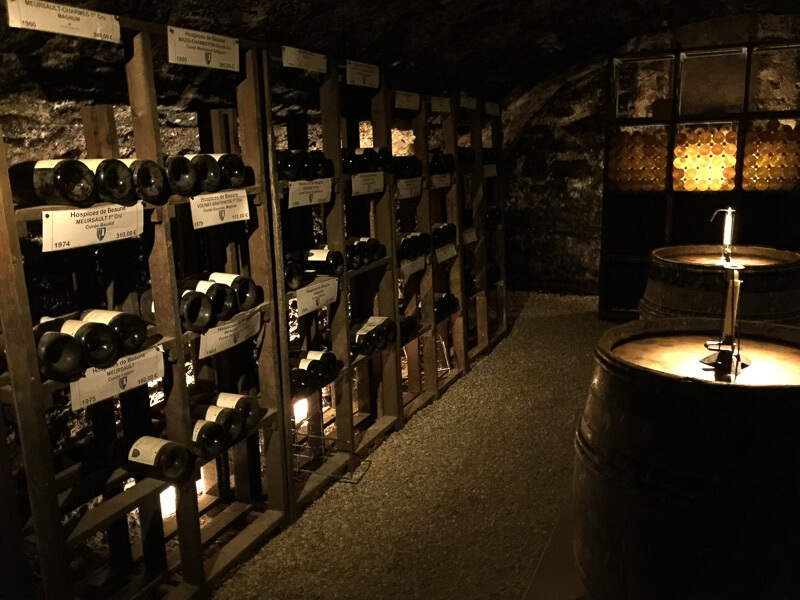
440	180
468	102
228	334
439	104
367	183
317	295
303	59
68	20
470	236
363	74
304	193
492	109
406	100
129	372
101	224
201	49
409	188
446	253
219	208
490	170
371	324
414	265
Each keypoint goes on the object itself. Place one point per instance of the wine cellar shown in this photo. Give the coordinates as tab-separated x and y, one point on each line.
302	300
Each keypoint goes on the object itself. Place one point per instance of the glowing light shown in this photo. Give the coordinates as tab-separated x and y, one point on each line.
168	501
300	411
727	236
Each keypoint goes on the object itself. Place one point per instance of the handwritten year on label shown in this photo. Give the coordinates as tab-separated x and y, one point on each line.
363	74
129	372
201	49
470	236
439	104
230	333
367	183
219	208
446	253
406	100
492	109
440	180
411	266
57	18
101	224
490	170
304	193
468	102
409	188
303	59
317	295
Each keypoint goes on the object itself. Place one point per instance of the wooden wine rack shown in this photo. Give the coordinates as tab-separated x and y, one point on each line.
265	481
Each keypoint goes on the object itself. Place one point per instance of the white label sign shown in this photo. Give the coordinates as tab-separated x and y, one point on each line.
129	372
446	253
414	265
439	104
228	334
490	170
468	102
317	295
470	236
367	183
492	109
219	208
371	324
304	193
440	180
101	224
409	188
68	20
201	49
303	59
406	100
363	74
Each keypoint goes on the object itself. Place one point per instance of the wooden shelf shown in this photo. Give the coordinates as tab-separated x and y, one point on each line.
370	267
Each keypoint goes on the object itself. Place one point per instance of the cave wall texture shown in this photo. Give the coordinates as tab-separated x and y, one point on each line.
545	59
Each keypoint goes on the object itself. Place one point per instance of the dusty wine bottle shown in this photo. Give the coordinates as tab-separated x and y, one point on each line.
234	172
289	162
244	287
208	439
181	175
389	330
355	256
113	180
363	343
227	418
315	368
157	458
58	181
99	343
60	355
209	173
303	383
247	406
194	308
149	180
223	299
321	262
295	275
131	330
326	357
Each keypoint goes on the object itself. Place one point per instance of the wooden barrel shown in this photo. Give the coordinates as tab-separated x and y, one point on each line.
688	488
686	281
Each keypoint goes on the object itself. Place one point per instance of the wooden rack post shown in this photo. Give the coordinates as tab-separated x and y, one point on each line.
497	244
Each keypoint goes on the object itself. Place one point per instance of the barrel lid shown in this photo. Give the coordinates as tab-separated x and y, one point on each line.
707	256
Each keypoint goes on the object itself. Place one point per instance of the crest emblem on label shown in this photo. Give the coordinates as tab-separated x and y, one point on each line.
101	233
123	382
236	339
222	215
208	58
135	453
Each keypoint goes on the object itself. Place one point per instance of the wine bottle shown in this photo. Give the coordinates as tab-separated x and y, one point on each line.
230	420
99	343
407	248
352	163
244	287
355	256
444	306
321	262
149	180
60	355
303	383
113	180
58	181
315	368
383	159
318	165
289	164
209	173
436	163
131	330
294	275
181	175
389	330
372	249
157	458
208	439
326	357
449	163
194	309
373	331
492	217
234	172
363	343
443	234
247	406
223	299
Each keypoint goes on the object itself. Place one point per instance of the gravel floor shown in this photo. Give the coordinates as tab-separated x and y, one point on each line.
460	503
